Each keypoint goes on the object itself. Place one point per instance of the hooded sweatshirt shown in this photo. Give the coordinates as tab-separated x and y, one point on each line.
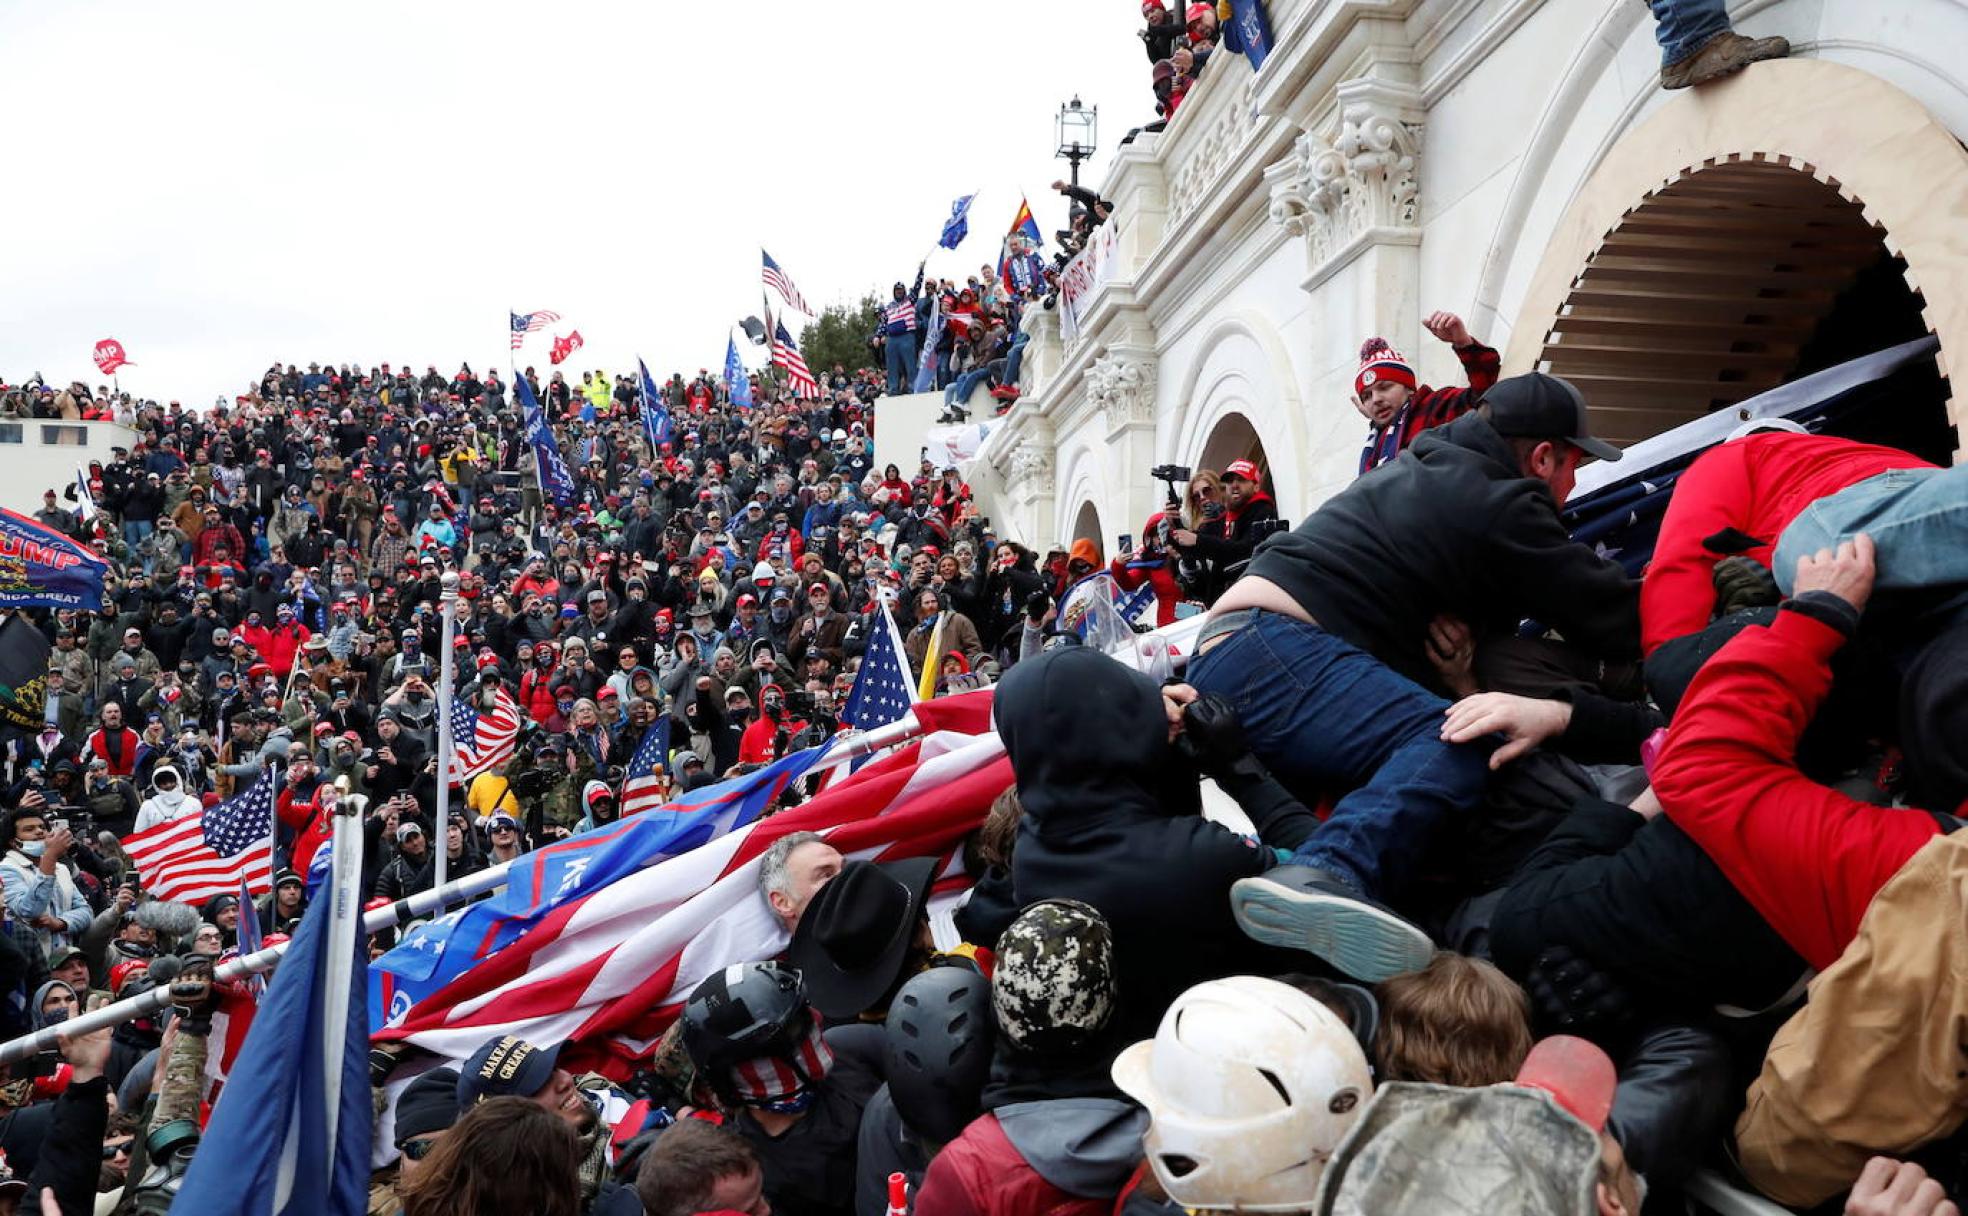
166	806
1113	818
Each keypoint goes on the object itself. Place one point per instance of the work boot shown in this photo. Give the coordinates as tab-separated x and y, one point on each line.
1727	52
1305	908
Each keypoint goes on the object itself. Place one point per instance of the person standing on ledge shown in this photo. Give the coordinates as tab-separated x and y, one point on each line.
1697	44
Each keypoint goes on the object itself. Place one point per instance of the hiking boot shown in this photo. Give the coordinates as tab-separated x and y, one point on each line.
1727	52
1303	908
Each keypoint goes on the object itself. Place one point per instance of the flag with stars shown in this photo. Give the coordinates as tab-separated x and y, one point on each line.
483	739
1622	522
211	852
655	415
648	779
882	692
556	479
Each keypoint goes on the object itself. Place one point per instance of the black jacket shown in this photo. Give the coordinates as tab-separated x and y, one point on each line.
1451	526
1639	900
1112	819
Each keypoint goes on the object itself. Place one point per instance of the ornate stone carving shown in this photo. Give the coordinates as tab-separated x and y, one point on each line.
1032	464
1366	178
1124	386
1208	151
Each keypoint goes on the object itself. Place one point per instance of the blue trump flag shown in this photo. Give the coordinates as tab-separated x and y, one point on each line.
736	381
556	480
41	568
957	227
655	415
1248	32
290	1135
432	955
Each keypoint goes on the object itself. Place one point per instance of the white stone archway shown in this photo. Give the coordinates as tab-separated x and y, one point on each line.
1856	133
1243	369
1082	491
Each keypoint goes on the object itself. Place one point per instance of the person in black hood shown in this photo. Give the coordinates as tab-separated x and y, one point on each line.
1112	817
1322	647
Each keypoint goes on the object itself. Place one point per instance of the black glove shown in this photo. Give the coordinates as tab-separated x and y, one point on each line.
1213	733
1570	995
1744	582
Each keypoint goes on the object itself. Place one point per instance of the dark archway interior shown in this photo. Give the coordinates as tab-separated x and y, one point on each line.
1234	438
1731	280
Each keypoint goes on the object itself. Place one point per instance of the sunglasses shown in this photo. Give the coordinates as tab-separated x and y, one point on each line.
417	1149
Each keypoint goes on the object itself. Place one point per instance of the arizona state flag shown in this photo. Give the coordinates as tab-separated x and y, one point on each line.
23	673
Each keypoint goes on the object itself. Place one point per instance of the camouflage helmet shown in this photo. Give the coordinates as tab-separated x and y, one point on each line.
1053	989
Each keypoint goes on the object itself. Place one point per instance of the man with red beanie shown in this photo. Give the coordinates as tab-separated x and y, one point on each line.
1397	407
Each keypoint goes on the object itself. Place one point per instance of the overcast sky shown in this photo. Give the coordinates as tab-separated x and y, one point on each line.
220	185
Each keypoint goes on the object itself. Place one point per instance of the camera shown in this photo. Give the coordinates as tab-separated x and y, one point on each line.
1171	473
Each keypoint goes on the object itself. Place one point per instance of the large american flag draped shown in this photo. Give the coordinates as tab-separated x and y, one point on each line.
483	739
776	279
786	355
610	970
210	853
524	323
647	781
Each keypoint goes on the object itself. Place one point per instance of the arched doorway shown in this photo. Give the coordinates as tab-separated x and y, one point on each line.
1086	526
1734	277
1234	438
1846	187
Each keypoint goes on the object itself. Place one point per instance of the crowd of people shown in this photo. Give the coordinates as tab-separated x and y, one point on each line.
1457	870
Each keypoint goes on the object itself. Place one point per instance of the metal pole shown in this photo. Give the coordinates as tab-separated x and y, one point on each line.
848	749
447	756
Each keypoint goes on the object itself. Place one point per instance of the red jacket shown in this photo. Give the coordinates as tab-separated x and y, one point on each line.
120	756
1805	856
277	645
1168	592
311	828
981	1173
1757	486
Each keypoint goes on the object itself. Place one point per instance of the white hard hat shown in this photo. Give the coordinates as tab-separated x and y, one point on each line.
1250	1085
840	435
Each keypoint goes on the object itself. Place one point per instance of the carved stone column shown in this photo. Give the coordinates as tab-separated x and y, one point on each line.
1123	384
1034	484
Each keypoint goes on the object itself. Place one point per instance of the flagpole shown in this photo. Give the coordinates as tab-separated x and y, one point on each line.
447	606
342	939
845	751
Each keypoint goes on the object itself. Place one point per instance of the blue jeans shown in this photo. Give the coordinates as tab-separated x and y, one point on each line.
901	356
1916	518
966	384
135	530
1323	714
1682	26
1012	359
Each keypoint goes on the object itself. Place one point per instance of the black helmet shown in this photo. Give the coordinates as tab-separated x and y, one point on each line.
939	1033
745	1012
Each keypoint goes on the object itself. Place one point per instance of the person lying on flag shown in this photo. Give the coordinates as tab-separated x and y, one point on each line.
865	932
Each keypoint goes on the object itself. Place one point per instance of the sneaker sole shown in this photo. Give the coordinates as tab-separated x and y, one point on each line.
1362	941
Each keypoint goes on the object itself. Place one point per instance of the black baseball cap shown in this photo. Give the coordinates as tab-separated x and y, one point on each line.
1537	406
507	1065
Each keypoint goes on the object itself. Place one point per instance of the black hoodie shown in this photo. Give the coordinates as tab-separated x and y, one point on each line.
1113	818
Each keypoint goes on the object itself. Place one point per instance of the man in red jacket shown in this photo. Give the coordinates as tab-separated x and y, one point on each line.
1871	896
1738	498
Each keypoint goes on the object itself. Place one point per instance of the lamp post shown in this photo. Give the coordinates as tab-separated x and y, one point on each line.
1077	127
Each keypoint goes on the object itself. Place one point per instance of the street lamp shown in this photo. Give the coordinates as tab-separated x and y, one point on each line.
1077	127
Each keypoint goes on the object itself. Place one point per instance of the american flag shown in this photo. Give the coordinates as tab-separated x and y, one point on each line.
524	323
648	781
483	740
210	853
882	690
776	279
903	313
786	355
608	971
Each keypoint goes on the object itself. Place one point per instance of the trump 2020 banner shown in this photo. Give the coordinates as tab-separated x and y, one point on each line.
41	568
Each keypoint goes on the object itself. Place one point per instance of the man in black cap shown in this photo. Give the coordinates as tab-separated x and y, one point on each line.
862	935
425	1111
1336	614
509	1066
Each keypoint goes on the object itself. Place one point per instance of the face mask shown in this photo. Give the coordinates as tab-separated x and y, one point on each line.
34	848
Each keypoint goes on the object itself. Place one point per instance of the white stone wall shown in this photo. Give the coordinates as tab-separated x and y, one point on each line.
1394	157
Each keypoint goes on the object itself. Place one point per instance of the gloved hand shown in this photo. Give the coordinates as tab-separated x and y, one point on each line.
1213	733
1570	995
1744	582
